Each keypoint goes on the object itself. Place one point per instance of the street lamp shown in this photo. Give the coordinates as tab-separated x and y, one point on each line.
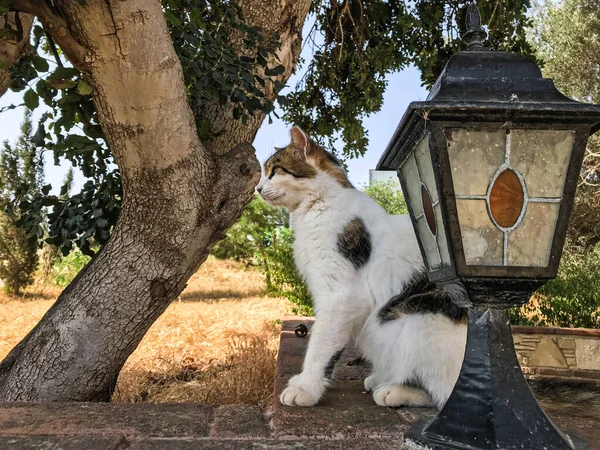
489	165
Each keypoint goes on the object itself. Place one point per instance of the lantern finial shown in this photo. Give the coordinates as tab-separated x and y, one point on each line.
475	34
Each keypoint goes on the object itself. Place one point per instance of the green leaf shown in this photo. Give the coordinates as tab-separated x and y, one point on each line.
83	88
61	84
277	70
63	73
171	17
31	99
40	64
4	6
46	189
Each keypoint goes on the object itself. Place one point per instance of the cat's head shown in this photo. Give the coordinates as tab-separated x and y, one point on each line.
300	171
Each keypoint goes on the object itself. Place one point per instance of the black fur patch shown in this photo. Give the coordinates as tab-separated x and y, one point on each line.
328	372
421	296
354	242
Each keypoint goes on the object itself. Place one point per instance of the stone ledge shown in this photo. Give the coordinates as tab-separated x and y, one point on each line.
346	418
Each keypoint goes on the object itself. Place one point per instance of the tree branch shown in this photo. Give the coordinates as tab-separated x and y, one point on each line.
58	29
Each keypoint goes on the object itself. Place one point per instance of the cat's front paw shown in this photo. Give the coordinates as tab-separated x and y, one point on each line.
297	396
299	393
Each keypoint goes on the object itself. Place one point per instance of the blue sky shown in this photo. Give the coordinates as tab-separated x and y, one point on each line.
403	87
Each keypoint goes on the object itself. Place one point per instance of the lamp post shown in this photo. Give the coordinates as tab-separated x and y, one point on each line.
489	165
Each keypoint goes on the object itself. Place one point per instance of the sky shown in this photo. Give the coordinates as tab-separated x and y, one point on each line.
403	88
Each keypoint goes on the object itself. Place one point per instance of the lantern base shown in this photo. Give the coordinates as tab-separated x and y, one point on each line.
491	406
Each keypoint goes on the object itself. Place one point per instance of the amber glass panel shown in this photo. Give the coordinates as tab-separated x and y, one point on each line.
483	242
506	199
475	157
428	209
542	157
530	243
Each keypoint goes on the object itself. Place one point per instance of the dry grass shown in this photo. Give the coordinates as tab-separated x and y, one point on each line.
217	344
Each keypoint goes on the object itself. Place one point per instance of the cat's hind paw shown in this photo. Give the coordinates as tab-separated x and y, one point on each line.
297	396
395	395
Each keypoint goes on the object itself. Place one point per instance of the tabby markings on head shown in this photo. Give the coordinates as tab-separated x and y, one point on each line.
303	162
354	242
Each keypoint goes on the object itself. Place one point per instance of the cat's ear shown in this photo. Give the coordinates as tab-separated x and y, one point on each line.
300	140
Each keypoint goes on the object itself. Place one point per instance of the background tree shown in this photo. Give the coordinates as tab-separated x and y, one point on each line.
21	178
568	39
163	96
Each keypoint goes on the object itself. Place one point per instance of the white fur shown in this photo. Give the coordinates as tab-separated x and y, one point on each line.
424	348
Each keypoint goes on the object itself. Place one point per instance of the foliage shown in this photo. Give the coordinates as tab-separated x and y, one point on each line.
246	238
213	68
362	41
281	275
224	61
67	267
202	33
568	39
570	300
21	178
388	195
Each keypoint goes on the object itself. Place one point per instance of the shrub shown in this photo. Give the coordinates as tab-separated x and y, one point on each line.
18	257
67	267
572	299
388	196
281	276
21	178
244	239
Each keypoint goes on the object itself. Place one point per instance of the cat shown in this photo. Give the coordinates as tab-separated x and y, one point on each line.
367	278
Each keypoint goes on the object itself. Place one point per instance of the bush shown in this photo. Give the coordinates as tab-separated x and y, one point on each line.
281	276
21	178
244	239
67	267
18	257
388	196
572	299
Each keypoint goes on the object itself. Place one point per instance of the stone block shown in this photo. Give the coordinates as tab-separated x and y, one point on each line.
548	354
144	419
239	421
587	352
566	343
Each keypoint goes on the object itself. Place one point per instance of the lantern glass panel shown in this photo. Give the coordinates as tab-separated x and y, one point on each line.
422	194
508	185
530	243
483	243
466	158
542	157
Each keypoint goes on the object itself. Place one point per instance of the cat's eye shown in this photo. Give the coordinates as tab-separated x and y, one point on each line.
280	170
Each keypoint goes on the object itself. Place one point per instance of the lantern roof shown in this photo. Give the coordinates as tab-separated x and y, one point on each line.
480	85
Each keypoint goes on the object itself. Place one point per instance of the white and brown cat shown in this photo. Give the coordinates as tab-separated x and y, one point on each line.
366	275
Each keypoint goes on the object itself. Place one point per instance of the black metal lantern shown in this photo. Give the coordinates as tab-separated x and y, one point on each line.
489	165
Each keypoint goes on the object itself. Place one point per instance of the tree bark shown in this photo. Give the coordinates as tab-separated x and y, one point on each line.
283	17
179	199
12	49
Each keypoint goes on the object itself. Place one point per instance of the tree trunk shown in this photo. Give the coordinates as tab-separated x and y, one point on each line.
12	49
179	199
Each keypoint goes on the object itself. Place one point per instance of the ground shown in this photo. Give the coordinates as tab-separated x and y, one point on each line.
216	344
